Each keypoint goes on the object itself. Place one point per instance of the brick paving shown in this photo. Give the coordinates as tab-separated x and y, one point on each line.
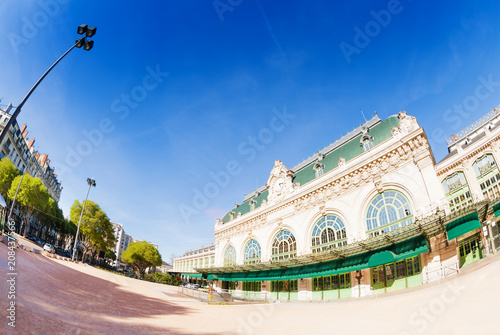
60	297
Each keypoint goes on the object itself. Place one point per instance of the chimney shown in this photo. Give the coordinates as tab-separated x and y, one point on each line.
31	142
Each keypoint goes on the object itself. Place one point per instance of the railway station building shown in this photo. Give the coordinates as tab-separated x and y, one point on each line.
371	213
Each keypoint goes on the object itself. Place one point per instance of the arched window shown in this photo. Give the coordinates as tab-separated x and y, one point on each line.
457	191
284	246
252	252
388	211
488	176
328	232
230	256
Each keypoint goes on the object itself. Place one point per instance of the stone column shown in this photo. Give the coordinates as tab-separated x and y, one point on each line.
472	181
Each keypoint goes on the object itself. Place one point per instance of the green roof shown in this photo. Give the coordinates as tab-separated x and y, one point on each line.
245	207
349	150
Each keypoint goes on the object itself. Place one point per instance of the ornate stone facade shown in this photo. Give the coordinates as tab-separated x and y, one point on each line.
291	206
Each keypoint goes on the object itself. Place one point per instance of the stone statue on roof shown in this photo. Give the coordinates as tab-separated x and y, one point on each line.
407	123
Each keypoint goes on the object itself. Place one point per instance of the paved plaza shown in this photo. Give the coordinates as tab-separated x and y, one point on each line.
60	297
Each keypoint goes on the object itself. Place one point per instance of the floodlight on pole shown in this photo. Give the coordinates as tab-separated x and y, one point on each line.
90	182
91	31
82	29
83	41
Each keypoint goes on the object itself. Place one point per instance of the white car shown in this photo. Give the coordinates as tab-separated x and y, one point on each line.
49	248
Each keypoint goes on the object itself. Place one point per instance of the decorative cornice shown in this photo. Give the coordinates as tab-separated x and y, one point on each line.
462	161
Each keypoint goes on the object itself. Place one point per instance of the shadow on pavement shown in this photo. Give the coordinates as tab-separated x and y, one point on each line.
54	299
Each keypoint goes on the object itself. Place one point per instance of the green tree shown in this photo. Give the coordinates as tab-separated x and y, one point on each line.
110	254
95	228
8	173
140	256
32	196
48	220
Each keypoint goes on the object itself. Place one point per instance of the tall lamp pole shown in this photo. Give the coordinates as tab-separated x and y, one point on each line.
91	183
87	44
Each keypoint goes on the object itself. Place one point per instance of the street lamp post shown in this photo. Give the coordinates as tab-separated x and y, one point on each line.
91	183
87	44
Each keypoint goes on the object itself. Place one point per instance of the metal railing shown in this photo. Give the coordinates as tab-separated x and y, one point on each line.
204	295
442	272
225	295
248	295
473	126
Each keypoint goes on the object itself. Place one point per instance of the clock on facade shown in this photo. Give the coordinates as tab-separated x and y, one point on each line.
279	184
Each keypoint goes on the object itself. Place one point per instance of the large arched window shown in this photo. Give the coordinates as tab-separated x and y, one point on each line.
230	256
388	211
488	176
284	246
328	232
252	252
457	191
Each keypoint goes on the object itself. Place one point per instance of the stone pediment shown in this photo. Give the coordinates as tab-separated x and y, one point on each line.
279	183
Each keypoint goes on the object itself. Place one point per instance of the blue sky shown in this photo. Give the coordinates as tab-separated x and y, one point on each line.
178	95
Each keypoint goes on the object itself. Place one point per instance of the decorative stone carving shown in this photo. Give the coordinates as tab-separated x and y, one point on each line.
355	179
279	183
341	163
407	123
396	132
377	181
320	156
364	135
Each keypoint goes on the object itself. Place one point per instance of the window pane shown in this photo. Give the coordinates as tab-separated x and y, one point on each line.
326	283
335	282
389	272
374	276
381	274
409	266
416	264
400	268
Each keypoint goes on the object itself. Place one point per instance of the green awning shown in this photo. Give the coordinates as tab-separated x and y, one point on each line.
411	247
380	258
463	225
496	209
192	275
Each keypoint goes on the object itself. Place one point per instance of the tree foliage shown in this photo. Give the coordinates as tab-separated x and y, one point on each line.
163	278
32	196
140	256
39	212
95	228
8	173
110	254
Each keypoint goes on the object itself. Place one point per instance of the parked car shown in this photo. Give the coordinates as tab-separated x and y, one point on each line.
49	248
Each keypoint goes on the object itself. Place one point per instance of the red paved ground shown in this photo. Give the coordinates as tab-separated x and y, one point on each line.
54	299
